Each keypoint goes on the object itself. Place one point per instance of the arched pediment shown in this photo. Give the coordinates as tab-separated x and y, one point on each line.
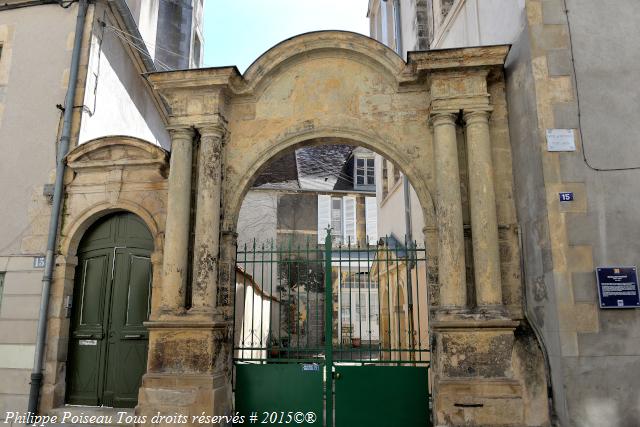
116	151
309	45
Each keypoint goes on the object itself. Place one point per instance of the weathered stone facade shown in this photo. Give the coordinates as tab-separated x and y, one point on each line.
326	87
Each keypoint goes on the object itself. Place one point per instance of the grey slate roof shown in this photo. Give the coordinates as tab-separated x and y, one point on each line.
314	168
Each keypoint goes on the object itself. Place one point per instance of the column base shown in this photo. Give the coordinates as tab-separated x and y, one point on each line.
171	399
479	402
189	346
189	373
474	379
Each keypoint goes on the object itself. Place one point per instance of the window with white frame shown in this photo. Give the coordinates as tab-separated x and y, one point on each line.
336	216
339	213
364	171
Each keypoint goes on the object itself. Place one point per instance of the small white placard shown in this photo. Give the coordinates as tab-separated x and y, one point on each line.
88	342
561	140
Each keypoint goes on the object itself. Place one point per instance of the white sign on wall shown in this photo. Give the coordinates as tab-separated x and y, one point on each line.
561	140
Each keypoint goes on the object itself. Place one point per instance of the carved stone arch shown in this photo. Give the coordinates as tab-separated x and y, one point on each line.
291	138
116	151
76	230
318	43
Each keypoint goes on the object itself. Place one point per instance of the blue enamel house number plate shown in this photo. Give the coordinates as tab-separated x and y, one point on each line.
618	287
566	196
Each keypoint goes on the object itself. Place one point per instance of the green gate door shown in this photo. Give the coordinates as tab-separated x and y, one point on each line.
333	334
111	300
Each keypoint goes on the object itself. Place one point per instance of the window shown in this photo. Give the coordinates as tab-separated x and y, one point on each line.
371	212
336	216
365	172
339	213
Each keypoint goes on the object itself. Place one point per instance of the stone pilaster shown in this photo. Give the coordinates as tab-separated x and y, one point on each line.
451	262
207	227
226	276
482	199
175	260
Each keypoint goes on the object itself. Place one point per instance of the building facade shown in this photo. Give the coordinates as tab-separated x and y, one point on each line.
119	41
167	228
562	75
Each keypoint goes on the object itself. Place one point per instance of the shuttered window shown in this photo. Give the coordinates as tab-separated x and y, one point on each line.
324	216
336	217
340	214
349	218
371	212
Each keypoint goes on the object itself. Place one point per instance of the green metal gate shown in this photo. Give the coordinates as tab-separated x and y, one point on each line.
333	334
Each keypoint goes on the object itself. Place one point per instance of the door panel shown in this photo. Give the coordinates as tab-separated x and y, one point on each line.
127	335
382	396
86	346
108	343
139	287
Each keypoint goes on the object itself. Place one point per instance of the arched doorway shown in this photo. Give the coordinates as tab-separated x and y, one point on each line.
111	300
335	303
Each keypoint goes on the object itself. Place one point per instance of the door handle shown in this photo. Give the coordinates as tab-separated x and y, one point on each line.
133	336
81	336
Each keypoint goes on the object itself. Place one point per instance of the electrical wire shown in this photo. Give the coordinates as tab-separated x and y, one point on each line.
151	45
575	80
142	51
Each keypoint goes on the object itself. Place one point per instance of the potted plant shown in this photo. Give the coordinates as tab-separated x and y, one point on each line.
274	348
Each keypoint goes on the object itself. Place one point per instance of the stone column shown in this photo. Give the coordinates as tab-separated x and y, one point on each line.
361	221
207	228
482	199
176	246
451	263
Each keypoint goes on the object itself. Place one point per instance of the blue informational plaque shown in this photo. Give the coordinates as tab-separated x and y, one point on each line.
618	287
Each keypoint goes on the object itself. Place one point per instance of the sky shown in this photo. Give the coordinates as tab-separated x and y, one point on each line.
236	32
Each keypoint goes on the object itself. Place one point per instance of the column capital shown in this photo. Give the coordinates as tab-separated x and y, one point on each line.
180	131
477	115
212	130
443	117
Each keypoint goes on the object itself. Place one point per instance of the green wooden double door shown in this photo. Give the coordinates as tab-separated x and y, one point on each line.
112	298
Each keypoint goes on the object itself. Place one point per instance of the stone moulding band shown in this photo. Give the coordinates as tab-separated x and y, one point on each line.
186	324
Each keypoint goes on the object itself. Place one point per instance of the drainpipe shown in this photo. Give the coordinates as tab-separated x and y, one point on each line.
36	374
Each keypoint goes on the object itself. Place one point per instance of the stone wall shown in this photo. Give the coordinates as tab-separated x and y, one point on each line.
593	354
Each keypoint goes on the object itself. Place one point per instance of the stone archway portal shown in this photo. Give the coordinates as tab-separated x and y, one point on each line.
343	85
